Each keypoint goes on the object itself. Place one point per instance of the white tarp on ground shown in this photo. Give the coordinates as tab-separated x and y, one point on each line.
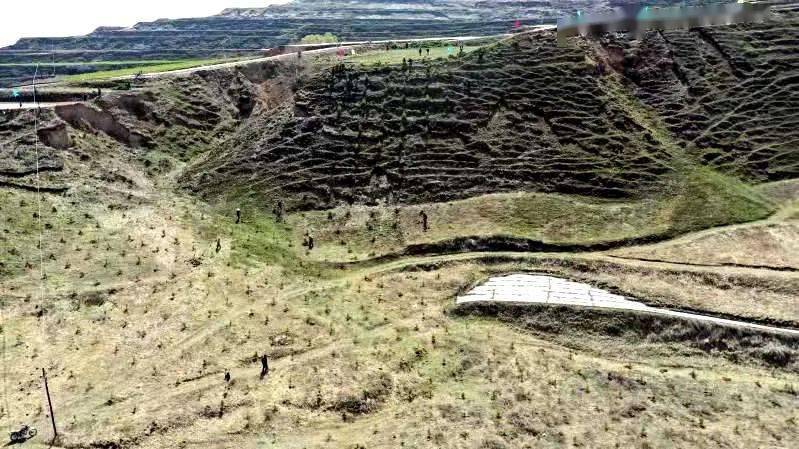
542	289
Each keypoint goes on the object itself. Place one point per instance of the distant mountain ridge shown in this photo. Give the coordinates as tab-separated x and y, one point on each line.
416	9
246	31
256	28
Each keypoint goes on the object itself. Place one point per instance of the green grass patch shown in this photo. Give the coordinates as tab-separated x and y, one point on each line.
711	199
258	239
355	233
148	68
396	56
705	199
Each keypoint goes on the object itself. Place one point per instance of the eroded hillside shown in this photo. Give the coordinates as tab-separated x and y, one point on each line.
525	114
522	115
729	93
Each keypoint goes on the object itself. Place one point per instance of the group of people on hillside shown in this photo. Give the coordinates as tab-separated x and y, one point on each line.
309	243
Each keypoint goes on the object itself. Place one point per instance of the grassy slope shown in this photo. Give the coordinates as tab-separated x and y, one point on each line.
698	198
356	233
772	242
358	357
361	358
348	232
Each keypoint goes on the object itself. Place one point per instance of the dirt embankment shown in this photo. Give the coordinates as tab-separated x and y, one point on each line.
734	343
89	119
55	136
31	143
185	115
165	119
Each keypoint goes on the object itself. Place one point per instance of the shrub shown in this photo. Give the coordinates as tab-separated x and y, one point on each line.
326	38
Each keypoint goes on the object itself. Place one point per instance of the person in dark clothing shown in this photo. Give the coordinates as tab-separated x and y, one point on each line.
423	217
428	52
238	216
307	241
420	51
218	244
264	366
227	376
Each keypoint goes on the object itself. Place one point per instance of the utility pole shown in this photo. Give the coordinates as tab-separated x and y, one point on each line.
50	404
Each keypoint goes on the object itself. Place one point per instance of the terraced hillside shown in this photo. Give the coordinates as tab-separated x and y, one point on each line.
519	115
730	93
522	115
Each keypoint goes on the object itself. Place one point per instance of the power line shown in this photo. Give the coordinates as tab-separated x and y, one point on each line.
38	190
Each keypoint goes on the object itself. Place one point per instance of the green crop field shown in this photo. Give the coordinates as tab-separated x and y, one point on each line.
155	67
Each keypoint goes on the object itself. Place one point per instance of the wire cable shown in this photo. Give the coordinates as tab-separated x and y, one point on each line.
38	189
36	112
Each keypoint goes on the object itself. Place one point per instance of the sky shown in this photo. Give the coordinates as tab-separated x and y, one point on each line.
50	18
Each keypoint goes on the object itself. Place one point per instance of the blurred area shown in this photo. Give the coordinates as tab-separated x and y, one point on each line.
639	18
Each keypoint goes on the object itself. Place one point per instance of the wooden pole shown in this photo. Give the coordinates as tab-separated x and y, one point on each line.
50	404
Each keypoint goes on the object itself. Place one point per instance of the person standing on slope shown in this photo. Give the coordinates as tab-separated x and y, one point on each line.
264	366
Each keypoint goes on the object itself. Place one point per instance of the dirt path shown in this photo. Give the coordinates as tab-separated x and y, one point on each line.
550	290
